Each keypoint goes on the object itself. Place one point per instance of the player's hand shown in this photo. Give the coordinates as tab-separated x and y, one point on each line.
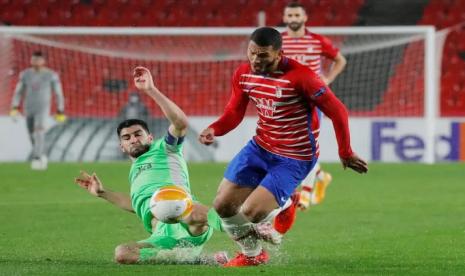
207	137
60	117
14	113
355	163
143	79
91	183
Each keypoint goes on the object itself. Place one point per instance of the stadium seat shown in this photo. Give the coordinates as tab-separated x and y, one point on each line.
444	14
193	13
195	97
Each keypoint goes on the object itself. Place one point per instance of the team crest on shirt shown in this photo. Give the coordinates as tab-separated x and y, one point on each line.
266	107
279	92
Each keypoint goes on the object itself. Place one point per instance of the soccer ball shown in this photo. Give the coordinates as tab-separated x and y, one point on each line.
171	204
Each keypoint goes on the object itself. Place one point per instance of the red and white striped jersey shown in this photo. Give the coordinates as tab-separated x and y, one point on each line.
308	49
285	101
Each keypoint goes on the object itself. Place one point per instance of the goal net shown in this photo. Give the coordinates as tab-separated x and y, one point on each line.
384	77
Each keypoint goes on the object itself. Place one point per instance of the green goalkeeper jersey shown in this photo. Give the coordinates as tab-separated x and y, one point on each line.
162	165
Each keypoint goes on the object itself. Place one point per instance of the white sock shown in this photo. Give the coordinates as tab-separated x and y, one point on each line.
271	215
320	174
240	229
310	180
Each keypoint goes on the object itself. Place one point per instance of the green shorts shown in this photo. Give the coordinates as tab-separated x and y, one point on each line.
169	236
173	243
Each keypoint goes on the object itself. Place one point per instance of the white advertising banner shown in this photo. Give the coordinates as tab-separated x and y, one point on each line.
383	140
14	139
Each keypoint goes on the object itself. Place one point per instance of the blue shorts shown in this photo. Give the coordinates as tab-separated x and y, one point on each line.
319	114
254	166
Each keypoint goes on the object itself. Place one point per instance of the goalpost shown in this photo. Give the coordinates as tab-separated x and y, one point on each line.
391	74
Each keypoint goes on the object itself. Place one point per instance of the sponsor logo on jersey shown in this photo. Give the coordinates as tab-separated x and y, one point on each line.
267	107
142	168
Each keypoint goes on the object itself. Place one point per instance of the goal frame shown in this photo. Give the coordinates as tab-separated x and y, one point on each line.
431	71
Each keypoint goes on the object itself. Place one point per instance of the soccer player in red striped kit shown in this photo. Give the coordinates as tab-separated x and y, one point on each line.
308	48
263	175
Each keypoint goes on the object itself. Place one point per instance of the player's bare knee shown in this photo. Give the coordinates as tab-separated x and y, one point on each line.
254	215
220	208
223	208
124	255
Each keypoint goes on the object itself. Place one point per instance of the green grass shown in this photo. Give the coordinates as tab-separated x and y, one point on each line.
398	219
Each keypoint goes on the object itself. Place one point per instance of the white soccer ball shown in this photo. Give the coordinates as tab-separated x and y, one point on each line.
171	204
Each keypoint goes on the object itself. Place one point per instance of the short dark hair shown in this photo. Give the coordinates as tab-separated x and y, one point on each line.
295	4
267	36
132	122
38	54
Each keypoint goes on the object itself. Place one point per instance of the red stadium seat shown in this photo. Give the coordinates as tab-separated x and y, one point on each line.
443	14
84	96
58	17
207	12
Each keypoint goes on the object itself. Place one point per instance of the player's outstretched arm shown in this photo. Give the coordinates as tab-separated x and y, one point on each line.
231	118
338	66
233	114
337	112
95	187
144	82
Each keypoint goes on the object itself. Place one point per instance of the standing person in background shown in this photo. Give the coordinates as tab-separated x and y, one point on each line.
135	108
36	85
308	48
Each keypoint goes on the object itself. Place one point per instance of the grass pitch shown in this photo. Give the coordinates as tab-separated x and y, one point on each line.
396	220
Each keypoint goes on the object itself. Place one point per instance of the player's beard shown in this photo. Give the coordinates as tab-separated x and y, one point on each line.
295	26
138	149
263	68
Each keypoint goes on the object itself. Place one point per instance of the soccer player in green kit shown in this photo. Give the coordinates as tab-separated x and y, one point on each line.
157	163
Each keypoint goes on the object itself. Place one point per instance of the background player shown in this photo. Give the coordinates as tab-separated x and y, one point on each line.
156	164
308	48
35	85
263	175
